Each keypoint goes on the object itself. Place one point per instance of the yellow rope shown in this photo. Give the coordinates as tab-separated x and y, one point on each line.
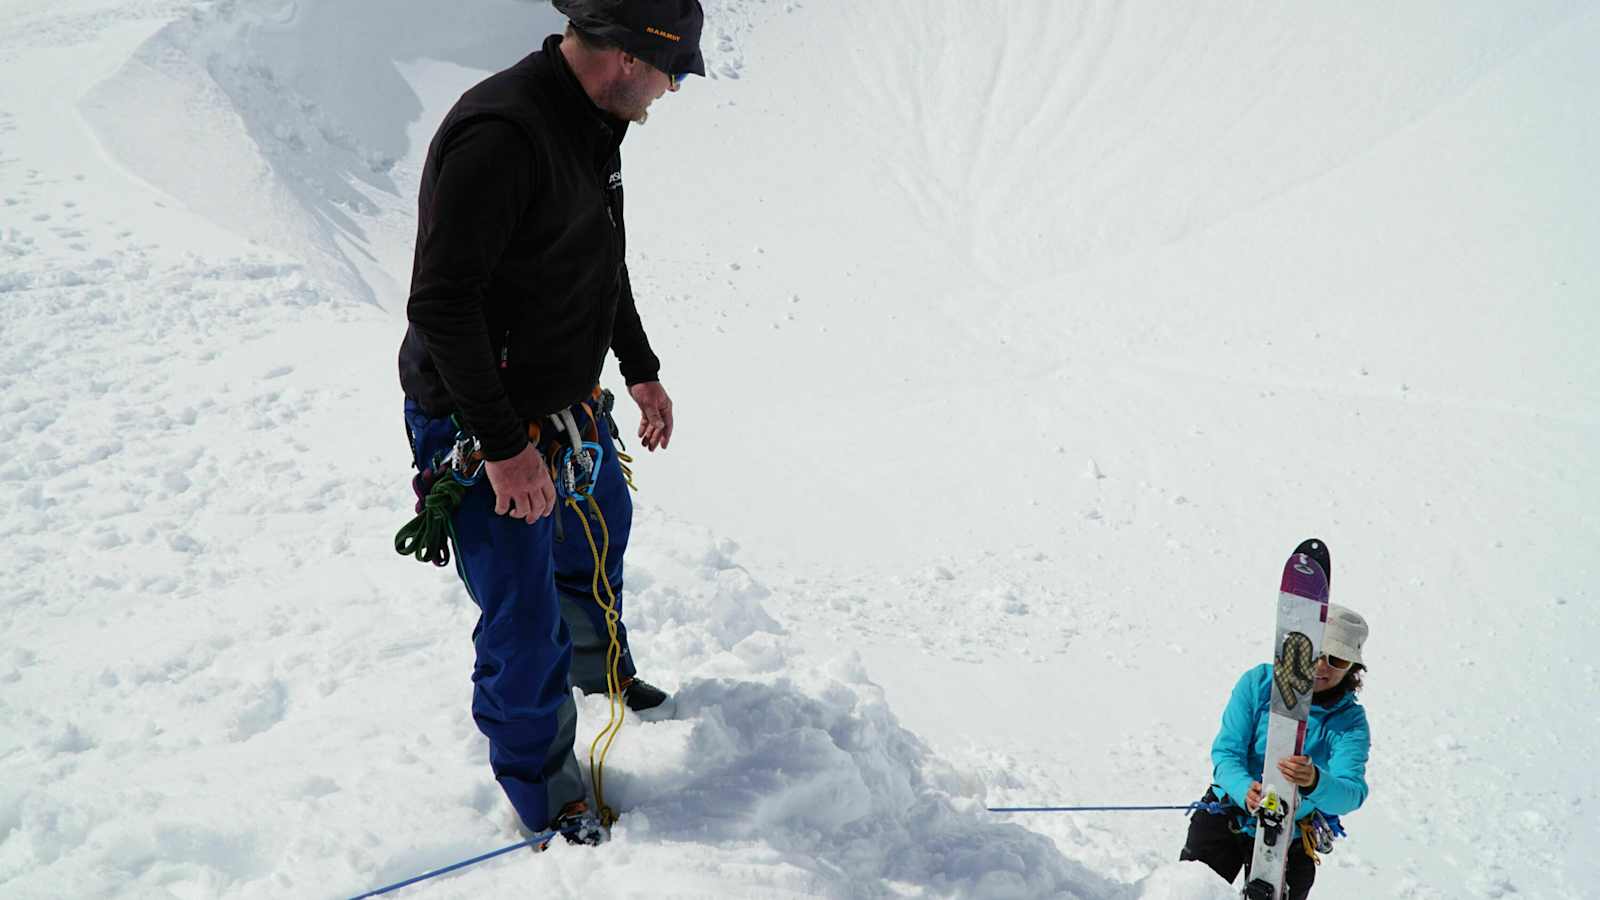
627	470
613	658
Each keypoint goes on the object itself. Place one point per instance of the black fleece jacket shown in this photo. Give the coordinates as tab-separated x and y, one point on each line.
519	286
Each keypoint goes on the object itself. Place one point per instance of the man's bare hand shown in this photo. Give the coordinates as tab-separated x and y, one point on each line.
655	414
1253	798
522	486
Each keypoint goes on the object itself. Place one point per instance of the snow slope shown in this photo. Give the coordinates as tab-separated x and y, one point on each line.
1041	331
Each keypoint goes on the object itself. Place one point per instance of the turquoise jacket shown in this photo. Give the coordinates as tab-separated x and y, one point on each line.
1337	740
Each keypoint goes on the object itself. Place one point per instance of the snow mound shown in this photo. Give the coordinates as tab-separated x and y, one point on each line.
797	756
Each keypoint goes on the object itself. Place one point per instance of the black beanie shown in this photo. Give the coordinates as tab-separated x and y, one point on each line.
663	33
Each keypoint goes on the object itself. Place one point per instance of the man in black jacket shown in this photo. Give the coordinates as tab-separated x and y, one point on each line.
519	289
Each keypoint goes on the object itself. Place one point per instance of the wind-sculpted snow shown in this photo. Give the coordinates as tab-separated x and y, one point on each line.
300	124
284	121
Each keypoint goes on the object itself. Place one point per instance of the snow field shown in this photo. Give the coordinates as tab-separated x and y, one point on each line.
1014	346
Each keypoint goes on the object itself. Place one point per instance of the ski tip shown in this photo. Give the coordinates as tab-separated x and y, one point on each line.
1303	576
1317	549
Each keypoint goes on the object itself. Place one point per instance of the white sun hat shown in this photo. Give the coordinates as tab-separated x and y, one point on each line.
1346	631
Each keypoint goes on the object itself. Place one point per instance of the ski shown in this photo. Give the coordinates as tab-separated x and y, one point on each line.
1302	612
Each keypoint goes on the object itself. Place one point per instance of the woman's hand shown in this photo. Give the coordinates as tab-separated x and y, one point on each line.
1299	769
1253	799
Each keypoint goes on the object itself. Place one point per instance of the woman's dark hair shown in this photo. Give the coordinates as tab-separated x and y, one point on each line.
1350	683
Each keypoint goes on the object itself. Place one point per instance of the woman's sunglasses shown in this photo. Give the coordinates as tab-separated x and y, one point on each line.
1334	662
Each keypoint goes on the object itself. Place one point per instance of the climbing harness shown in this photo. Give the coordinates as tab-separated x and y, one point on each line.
574	464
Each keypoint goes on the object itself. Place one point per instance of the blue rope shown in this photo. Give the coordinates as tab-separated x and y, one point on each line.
1217	808
539	839
530	842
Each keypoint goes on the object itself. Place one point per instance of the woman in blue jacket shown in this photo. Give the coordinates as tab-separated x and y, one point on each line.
1332	773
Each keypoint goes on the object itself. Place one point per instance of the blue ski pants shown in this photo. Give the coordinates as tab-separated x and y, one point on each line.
539	630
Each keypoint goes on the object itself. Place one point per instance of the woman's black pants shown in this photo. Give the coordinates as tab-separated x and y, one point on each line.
1214	840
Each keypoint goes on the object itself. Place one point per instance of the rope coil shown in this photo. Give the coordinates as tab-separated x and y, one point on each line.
429	534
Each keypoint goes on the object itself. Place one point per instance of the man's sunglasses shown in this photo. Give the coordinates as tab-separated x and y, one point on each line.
1334	662
677	80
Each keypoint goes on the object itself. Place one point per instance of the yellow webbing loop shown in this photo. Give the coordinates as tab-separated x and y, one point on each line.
613	658
1309	842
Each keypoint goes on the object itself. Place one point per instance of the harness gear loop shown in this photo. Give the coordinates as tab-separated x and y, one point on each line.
614	698
1321	831
576	467
429	534
607	401
466	459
